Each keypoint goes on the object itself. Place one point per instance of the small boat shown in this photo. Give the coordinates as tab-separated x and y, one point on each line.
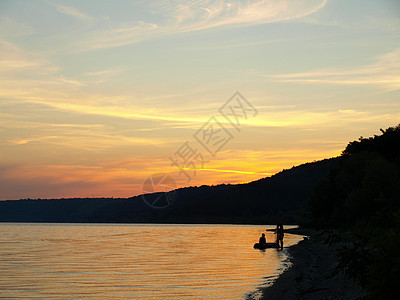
265	246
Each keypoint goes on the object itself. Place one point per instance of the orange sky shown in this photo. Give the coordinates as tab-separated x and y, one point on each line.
95	98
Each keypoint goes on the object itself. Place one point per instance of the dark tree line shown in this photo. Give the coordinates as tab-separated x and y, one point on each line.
361	201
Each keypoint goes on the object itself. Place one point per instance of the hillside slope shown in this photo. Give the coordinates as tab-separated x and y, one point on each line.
282	197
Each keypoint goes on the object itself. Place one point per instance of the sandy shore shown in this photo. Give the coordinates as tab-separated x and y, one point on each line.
311	275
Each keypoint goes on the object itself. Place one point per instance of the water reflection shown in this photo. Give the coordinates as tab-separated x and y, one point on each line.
136	261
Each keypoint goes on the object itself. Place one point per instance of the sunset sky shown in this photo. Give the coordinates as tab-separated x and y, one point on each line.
96	96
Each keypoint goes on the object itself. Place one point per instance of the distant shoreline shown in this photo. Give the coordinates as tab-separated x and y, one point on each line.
291	230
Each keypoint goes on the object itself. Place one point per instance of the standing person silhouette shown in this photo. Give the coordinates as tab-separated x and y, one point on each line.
279	235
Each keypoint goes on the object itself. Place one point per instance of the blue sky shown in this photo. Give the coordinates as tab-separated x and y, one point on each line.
97	95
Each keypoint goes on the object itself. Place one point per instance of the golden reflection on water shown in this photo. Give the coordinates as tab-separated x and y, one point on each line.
135	261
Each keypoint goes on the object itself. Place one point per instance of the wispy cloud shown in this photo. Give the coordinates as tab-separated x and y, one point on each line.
189	16
198	15
121	36
71	94
13	59
104	73
11	27
229	171
191	120
71	11
83	137
384	73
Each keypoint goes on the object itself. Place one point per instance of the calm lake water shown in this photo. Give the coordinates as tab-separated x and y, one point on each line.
76	261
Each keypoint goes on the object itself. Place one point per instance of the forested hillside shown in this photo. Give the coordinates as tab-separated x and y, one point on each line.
361	201
280	198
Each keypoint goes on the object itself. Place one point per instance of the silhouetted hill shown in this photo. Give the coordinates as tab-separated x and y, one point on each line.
282	197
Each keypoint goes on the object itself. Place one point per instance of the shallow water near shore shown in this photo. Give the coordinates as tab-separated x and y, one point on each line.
141	261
